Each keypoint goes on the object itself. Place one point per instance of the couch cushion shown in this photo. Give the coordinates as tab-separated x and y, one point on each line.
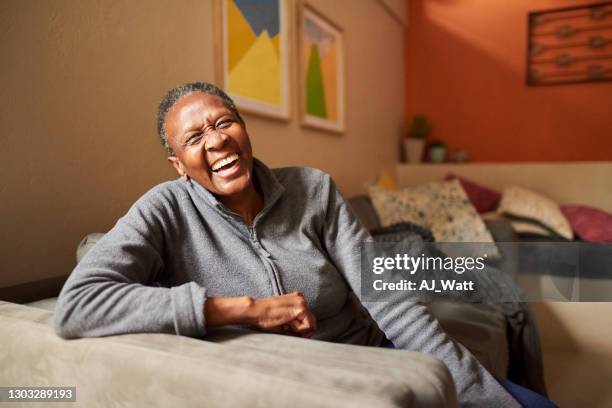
480	328
236	368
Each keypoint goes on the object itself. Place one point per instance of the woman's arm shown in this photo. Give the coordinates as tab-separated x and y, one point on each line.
406	322
111	290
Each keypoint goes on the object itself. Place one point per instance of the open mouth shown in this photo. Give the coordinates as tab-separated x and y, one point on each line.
225	163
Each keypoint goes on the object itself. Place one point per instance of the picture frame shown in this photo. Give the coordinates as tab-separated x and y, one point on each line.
569	45
253	54
321	75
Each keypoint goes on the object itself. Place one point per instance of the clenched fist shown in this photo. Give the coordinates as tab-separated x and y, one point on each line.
286	313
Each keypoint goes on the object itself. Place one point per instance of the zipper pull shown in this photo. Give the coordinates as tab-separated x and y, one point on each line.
251	233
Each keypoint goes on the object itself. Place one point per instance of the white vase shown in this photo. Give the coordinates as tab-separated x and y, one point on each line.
413	149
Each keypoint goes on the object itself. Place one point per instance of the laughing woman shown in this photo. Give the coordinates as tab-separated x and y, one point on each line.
234	242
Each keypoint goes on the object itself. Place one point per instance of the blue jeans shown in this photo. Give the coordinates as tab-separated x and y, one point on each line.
525	397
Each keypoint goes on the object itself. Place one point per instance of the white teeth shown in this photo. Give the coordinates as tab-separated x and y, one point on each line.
220	163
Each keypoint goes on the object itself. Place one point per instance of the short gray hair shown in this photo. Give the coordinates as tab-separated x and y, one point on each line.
177	93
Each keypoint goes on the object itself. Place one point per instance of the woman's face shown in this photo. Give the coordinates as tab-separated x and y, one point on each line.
210	144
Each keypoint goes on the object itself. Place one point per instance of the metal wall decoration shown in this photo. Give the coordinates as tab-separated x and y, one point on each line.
570	45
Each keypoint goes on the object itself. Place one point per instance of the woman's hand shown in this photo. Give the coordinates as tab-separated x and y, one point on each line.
279	314
286	313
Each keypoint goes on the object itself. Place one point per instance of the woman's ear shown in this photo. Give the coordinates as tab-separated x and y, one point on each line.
178	166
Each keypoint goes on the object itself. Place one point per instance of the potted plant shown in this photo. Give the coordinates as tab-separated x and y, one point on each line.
414	144
437	152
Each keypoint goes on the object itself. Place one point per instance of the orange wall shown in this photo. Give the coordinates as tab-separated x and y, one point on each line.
465	63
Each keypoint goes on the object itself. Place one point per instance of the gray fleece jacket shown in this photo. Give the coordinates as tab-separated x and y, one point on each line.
178	245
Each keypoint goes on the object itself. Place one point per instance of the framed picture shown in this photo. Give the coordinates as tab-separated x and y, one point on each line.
252	39
321	71
569	45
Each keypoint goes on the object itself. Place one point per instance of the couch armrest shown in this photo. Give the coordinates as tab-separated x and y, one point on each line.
234	369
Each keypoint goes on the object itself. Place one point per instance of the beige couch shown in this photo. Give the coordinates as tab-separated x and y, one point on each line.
230	368
234	368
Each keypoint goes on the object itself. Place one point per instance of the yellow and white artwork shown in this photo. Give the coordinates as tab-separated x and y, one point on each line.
255	55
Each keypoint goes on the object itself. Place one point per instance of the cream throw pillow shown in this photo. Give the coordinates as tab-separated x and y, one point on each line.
520	202
441	206
529	227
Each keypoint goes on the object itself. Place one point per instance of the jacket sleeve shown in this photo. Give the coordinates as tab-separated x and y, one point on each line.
406	322
111	291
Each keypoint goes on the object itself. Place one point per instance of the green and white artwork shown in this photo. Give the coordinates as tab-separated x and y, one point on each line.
321	72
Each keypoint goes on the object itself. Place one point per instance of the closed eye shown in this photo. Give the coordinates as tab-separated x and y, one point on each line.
224	124
193	138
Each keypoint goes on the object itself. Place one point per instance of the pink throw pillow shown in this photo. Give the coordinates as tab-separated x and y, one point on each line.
483	198
590	224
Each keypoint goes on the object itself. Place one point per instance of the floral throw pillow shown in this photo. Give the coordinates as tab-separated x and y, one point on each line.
441	206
